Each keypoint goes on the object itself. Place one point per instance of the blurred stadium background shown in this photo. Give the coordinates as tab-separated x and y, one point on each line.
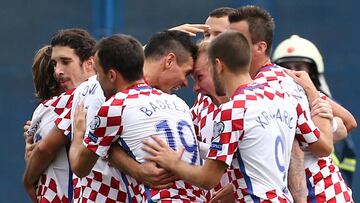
28	25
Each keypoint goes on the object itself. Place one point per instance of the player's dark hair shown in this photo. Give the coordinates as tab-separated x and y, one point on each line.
221	12
122	53
45	83
165	42
78	39
233	49
261	24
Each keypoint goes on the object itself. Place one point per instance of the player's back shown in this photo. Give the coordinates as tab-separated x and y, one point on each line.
147	111
260	122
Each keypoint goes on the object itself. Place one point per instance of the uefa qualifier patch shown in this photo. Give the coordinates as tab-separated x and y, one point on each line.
218	128
95	123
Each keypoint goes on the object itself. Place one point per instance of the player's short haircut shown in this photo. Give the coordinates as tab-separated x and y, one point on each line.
233	49
45	83
171	41
78	39
122	53
203	46
221	12
261	24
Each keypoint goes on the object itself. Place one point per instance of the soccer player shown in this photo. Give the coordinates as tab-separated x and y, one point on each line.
258	26
47	89
169	58
253	132
202	113
72	62
135	112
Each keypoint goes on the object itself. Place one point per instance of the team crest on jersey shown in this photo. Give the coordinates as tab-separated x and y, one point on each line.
95	123
218	128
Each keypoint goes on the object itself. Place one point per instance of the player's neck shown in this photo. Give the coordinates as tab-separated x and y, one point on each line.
149	69
234	81
256	65
218	100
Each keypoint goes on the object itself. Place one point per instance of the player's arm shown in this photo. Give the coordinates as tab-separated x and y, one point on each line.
325	110
170	160
347	118
42	156
29	140
339	129
82	160
324	145
148	173
297	180
191	29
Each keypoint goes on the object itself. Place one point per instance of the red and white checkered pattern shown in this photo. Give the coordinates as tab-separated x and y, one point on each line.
252	122
62	106
306	132
276	77
326	183
53	184
48	191
104	183
125	118
99	188
202	113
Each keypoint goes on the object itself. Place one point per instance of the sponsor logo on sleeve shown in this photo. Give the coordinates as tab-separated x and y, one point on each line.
216	146
93	137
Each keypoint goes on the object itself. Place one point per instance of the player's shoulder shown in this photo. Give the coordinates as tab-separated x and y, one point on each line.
48	102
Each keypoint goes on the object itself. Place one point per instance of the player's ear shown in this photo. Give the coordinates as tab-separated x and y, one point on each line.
89	64
111	74
170	59
219	66
260	47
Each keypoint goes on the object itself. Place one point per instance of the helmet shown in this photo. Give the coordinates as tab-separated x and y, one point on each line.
297	48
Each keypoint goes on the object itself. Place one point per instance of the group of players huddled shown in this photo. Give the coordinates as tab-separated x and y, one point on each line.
108	129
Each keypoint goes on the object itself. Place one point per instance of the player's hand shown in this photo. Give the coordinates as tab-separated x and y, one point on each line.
303	79
26	128
80	121
161	153
321	107
29	146
30	189
226	194
191	29
155	177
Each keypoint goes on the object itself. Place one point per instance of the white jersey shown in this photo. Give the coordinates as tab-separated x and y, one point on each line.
132	116
323	176
53	185
254	133
92	188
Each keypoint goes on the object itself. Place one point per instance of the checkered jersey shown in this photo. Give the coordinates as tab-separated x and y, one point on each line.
202	113
104	183
62	107
325	183
254	133
53	183
276	77
135	114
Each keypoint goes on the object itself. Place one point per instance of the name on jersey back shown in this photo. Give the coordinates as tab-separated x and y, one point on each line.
161	105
